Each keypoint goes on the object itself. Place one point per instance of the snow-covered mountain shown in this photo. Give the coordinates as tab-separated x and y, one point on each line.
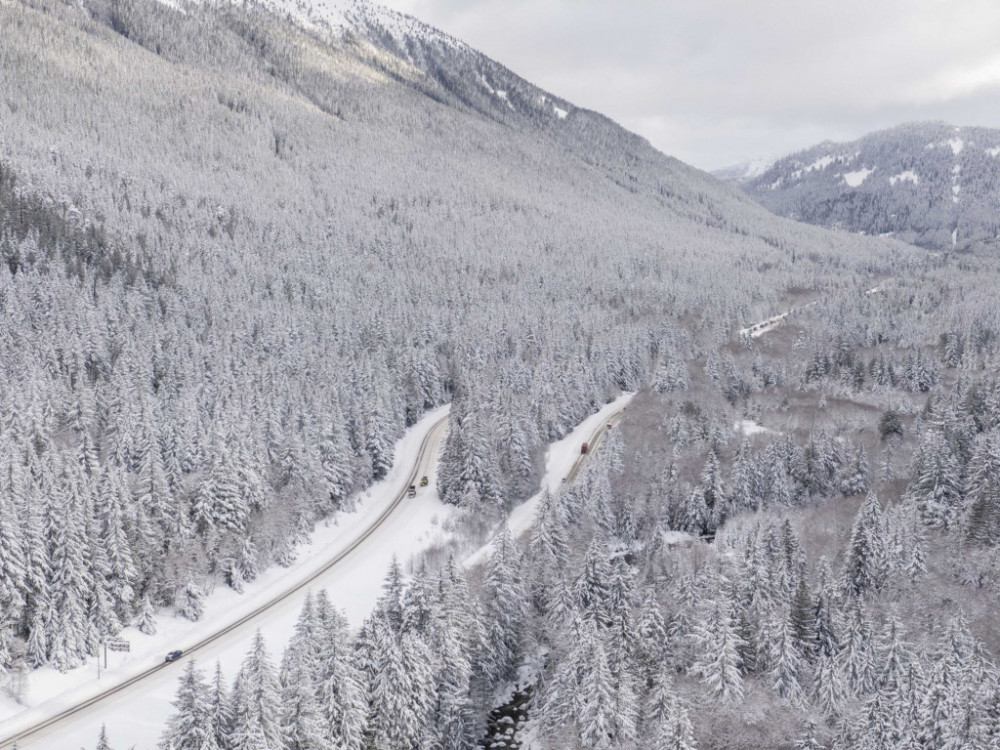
245	245
931	184
744	171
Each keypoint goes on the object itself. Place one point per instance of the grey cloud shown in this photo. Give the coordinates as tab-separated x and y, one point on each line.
717	81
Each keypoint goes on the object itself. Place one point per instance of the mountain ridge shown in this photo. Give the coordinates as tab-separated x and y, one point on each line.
932	184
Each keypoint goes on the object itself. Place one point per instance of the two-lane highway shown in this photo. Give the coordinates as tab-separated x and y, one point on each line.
595	440
151	690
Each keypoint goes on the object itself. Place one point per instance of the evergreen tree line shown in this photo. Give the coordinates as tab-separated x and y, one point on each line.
618	634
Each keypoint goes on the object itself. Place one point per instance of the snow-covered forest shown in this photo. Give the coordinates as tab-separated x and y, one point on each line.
241	257
815	600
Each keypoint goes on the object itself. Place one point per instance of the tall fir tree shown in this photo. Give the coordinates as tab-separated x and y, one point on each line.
256	703
189	727
717	648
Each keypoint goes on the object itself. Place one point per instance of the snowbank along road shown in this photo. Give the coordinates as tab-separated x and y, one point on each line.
31	731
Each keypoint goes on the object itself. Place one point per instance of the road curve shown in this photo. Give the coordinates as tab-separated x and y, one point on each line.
425	459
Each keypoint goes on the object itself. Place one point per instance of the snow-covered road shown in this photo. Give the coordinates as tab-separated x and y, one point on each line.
562	463
351	567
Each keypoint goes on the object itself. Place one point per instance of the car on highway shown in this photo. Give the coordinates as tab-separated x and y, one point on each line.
583	449
174	655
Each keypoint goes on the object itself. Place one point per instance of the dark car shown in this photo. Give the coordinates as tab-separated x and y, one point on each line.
174	655
412	492
583	449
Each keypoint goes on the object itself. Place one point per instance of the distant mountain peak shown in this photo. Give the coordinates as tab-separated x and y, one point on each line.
744	171
335	17
934	184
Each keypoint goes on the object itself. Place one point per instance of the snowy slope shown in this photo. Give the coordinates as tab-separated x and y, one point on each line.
359	16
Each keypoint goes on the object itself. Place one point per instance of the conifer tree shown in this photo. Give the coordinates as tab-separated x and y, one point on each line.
559	695
505	607
102	740
111	502
713	491
219	713
659	698
937	708
826	631
393	719
13	570
785	661
145	620
674	732
69	630
191	601
189	727
856	655
377	442
256	703
333	453
548	552
390	602
745	481
300	719
810	739
983	518
593	591
341	692
452	719
865	566
717	649
652	634
937	489
857	478
596	713
894	658
417	662
828	689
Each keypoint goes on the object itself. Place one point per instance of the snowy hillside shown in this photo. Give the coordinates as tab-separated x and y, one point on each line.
268	251
245	248
932	184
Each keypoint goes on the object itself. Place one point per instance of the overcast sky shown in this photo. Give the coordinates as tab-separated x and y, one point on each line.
717	82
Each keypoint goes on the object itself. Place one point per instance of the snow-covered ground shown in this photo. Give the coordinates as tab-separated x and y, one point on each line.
137	715
748	427
908	176
855	178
